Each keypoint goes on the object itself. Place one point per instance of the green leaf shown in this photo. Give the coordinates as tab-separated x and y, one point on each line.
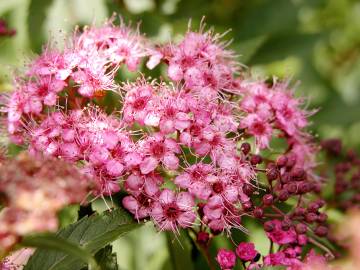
180	251
51	241
68	215
106	259
90	233
36	18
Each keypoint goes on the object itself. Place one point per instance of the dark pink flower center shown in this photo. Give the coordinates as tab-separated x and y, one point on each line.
218	187
170	111
210	80
171	211
197	174
216	140
158	149
187	61
287	113
139	103
195	130
144	200
260	99
259	128
42	90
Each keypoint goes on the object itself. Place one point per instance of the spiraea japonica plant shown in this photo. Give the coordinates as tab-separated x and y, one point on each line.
199	149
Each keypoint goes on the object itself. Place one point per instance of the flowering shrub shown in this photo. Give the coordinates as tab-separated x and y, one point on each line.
201	149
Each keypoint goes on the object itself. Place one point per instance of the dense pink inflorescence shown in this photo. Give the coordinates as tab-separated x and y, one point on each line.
187	151
87	65
34	190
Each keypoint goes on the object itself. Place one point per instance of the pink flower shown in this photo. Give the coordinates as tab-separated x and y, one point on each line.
93	80
116	44
173	210
201	61
226	259
16	260
257	99
315	261
159	149
288	115
197	179
280	236
154	59
260	128
144	190
174	113
246	251
274	259
282	259
139	105
140	206
222	215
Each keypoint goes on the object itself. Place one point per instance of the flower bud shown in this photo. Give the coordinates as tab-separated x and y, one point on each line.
291	161
247	206
310	217
258	212
245	148
286	224
298	174
255	159
203	238
322	217
268	226
281	161
313	207
301	228
299	211
268	199
248	189
292	188
272	173
283	195
321	231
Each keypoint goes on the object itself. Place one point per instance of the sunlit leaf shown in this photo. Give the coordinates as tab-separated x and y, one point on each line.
90	233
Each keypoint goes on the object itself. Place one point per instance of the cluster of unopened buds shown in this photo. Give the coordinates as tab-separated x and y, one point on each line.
199	150
346	185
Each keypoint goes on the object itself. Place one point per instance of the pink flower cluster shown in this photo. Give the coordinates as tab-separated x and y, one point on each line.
177	148
34	190
289	258
86	67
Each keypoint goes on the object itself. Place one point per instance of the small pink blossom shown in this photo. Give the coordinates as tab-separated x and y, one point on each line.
280	236
159	149
173	210
246	251
226	259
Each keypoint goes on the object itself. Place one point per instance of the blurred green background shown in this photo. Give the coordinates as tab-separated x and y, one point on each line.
314	41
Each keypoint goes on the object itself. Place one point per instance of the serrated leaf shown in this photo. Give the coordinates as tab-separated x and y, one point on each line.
106	259
53	242
91	233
